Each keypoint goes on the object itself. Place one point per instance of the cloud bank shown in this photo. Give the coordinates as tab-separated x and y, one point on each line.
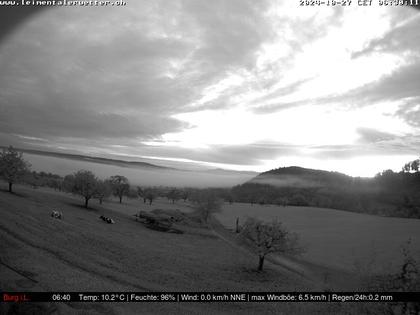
239	84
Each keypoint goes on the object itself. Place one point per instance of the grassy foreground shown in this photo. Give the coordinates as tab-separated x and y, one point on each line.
82	253
338	239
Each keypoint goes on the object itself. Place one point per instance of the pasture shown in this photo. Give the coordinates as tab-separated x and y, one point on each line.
335	238
81	252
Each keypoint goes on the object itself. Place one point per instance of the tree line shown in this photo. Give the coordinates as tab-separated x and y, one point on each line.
389	193
14	169
86	184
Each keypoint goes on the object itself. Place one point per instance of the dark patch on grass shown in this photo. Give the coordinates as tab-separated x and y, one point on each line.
14	193
80	206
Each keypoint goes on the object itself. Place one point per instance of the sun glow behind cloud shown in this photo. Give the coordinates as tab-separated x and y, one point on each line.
303	125
205	82
328	65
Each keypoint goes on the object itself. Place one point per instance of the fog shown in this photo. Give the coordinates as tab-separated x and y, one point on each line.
286	181
139	175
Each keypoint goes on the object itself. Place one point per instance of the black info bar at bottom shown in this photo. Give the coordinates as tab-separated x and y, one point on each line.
374	297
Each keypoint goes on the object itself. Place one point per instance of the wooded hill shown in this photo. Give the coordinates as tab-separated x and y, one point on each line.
388	193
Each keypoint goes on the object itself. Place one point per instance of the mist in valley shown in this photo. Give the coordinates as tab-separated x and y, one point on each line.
141	176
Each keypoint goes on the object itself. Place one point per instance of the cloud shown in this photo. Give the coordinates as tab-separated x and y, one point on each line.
402	37
375	144
368	135
86	72
57	121
401	87
235	82
230	32
410	112
251	154
239	155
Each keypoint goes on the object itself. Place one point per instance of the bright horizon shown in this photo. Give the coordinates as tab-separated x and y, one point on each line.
228	84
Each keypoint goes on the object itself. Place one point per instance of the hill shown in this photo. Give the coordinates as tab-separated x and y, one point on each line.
295	176
388	193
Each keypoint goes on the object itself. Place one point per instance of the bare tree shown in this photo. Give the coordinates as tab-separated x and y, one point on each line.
184	195
142	193
103	190
174	195
83	183
404	278
206	202
266	238
132	193
120	185
12	166
150	194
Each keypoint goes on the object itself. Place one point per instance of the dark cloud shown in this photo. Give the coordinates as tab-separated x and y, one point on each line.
410	112
90	78
231	31
96	72
12	16
403	37
399	85
54	121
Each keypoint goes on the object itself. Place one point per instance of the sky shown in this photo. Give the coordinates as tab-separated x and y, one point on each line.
234	84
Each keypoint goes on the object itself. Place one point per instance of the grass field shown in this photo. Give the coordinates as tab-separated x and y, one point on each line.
337	238
82	253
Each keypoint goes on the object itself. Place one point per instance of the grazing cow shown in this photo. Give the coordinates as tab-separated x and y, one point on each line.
57	215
